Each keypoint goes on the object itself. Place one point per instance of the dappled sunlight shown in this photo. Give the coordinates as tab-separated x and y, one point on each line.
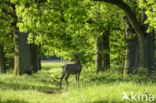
102	87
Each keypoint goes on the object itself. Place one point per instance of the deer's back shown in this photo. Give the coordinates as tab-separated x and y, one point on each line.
72	68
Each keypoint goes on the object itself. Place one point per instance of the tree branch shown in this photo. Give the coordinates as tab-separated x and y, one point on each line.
129	13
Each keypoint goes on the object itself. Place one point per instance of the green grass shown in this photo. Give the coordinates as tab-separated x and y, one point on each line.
43	87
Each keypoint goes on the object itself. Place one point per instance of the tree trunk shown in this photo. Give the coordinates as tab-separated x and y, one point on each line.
16	55
143	61
22	63
99	54
34	57
105	51
150	46
2	60
38	59
25	60
131	60
38	63
149	37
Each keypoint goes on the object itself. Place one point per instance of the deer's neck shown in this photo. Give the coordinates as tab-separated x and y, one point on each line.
78	62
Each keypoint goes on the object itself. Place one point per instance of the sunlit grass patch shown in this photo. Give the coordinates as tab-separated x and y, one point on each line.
43	87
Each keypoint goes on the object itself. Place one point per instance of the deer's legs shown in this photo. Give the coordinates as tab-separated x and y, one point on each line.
67	78
76	77
61	79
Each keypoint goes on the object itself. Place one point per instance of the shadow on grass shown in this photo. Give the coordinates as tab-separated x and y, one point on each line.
13	101
112	78
40	82
18	87
45	84
107	79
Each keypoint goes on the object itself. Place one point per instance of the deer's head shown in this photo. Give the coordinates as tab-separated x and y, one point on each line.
76	57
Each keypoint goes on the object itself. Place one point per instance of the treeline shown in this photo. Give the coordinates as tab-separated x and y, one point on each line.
113	34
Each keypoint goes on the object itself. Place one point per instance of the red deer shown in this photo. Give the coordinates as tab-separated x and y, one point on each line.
72	69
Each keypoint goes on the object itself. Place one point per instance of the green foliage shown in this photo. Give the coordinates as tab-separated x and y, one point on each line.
150	7
65	26
61	27
117	50
6	35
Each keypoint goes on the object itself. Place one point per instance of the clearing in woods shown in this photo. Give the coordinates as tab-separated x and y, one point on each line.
43	87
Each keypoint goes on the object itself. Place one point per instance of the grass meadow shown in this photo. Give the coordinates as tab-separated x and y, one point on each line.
102	87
